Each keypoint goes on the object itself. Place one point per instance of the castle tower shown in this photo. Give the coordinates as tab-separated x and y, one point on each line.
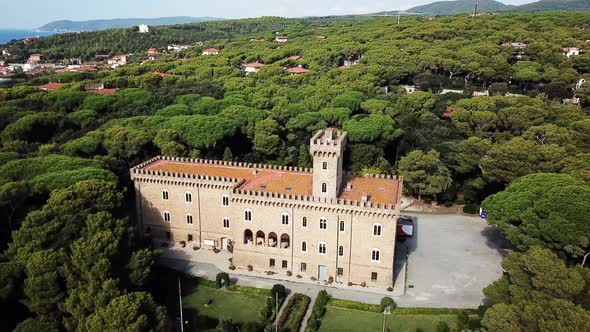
327	150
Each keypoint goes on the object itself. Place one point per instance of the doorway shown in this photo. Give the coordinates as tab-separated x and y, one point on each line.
322	273
223	243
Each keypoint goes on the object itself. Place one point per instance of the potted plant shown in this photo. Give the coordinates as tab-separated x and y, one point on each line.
363	284
313	278
183	243
350	284
250	268
330	279
299	276
289	273
196	248
232	267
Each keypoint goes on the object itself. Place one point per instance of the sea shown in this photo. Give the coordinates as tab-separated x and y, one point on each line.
7	35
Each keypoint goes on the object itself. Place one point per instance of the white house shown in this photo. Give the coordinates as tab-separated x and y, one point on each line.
518	45
178	48
252	67
117	60
580	83
409	88
211	51
281	39
143	28
571	51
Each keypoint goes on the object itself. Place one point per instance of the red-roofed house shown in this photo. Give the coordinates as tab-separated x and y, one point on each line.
297	70
281	39
50	86
252	67
211	51
106	91
295	57
160	74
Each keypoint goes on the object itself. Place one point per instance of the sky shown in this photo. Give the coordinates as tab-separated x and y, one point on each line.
31	14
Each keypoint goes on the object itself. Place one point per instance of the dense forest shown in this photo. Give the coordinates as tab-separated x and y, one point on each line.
72	259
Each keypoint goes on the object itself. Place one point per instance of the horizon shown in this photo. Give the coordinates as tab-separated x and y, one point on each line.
41	14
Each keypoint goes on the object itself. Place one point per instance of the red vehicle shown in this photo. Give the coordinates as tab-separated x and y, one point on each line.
405	227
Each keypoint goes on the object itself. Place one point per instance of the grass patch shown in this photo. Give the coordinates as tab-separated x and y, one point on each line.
338	319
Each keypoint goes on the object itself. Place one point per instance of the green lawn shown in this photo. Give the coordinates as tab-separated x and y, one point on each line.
225	305
337	319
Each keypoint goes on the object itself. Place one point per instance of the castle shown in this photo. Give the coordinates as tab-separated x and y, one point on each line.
317	223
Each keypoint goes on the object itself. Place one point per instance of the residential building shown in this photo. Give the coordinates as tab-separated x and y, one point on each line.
143	28
252	67
571	51
178	48
50	86
320	223
281	39
35	57
517	45
297	70
211	51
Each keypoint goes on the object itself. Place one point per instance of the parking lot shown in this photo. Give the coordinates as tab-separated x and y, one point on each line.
451	258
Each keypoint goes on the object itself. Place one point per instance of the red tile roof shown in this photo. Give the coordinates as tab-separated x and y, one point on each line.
295	57
254	65
50	86
160	74
376	190
211	50
298	70
106	91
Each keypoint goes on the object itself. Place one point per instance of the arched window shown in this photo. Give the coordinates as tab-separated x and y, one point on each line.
188	197
324	165
167	216
304	246
225	222
376	229
285	219
342	225
375	255
341	251
323	223
225	200
189	219
322	248
324	187
304	222
164	194
248	215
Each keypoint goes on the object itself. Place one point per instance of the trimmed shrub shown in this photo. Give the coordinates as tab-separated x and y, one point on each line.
278	289
462	320
442	327
318	311
471	208
222	279
387	302
354	305
289	320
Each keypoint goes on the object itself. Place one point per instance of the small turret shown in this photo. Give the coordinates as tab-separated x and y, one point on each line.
327	150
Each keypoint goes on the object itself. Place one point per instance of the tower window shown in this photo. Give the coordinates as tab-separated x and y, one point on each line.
341	251
342	225
304	246
324	187
225	222
248	215
304	222
164	194
189	219
377	230
375	253
324	165
167	216
188	197
225	200
285	219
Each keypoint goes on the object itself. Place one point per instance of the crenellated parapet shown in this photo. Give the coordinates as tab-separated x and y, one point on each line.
314	203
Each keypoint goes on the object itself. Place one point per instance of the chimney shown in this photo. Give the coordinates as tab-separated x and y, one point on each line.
365	197
349	186
329	134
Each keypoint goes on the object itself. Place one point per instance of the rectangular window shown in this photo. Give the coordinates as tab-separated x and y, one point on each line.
284	265
190	237
164	194
272	262
188	197
167	216
189	219
323	223
340	271
247	215
225	223
373	276
342	225
225	200
303	267
304	222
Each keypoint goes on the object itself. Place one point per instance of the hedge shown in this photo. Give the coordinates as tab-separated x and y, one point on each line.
338	303
296	317
249	290
318	311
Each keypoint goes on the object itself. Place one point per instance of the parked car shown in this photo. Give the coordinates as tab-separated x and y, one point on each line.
405	227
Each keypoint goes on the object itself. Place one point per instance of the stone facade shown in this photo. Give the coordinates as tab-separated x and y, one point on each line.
272	224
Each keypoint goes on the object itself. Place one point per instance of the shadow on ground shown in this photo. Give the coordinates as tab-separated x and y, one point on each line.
496	240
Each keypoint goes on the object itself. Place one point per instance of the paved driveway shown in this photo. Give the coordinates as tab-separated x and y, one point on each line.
451	259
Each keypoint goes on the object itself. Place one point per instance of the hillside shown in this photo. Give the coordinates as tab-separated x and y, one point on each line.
459	7
95	25
547	5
